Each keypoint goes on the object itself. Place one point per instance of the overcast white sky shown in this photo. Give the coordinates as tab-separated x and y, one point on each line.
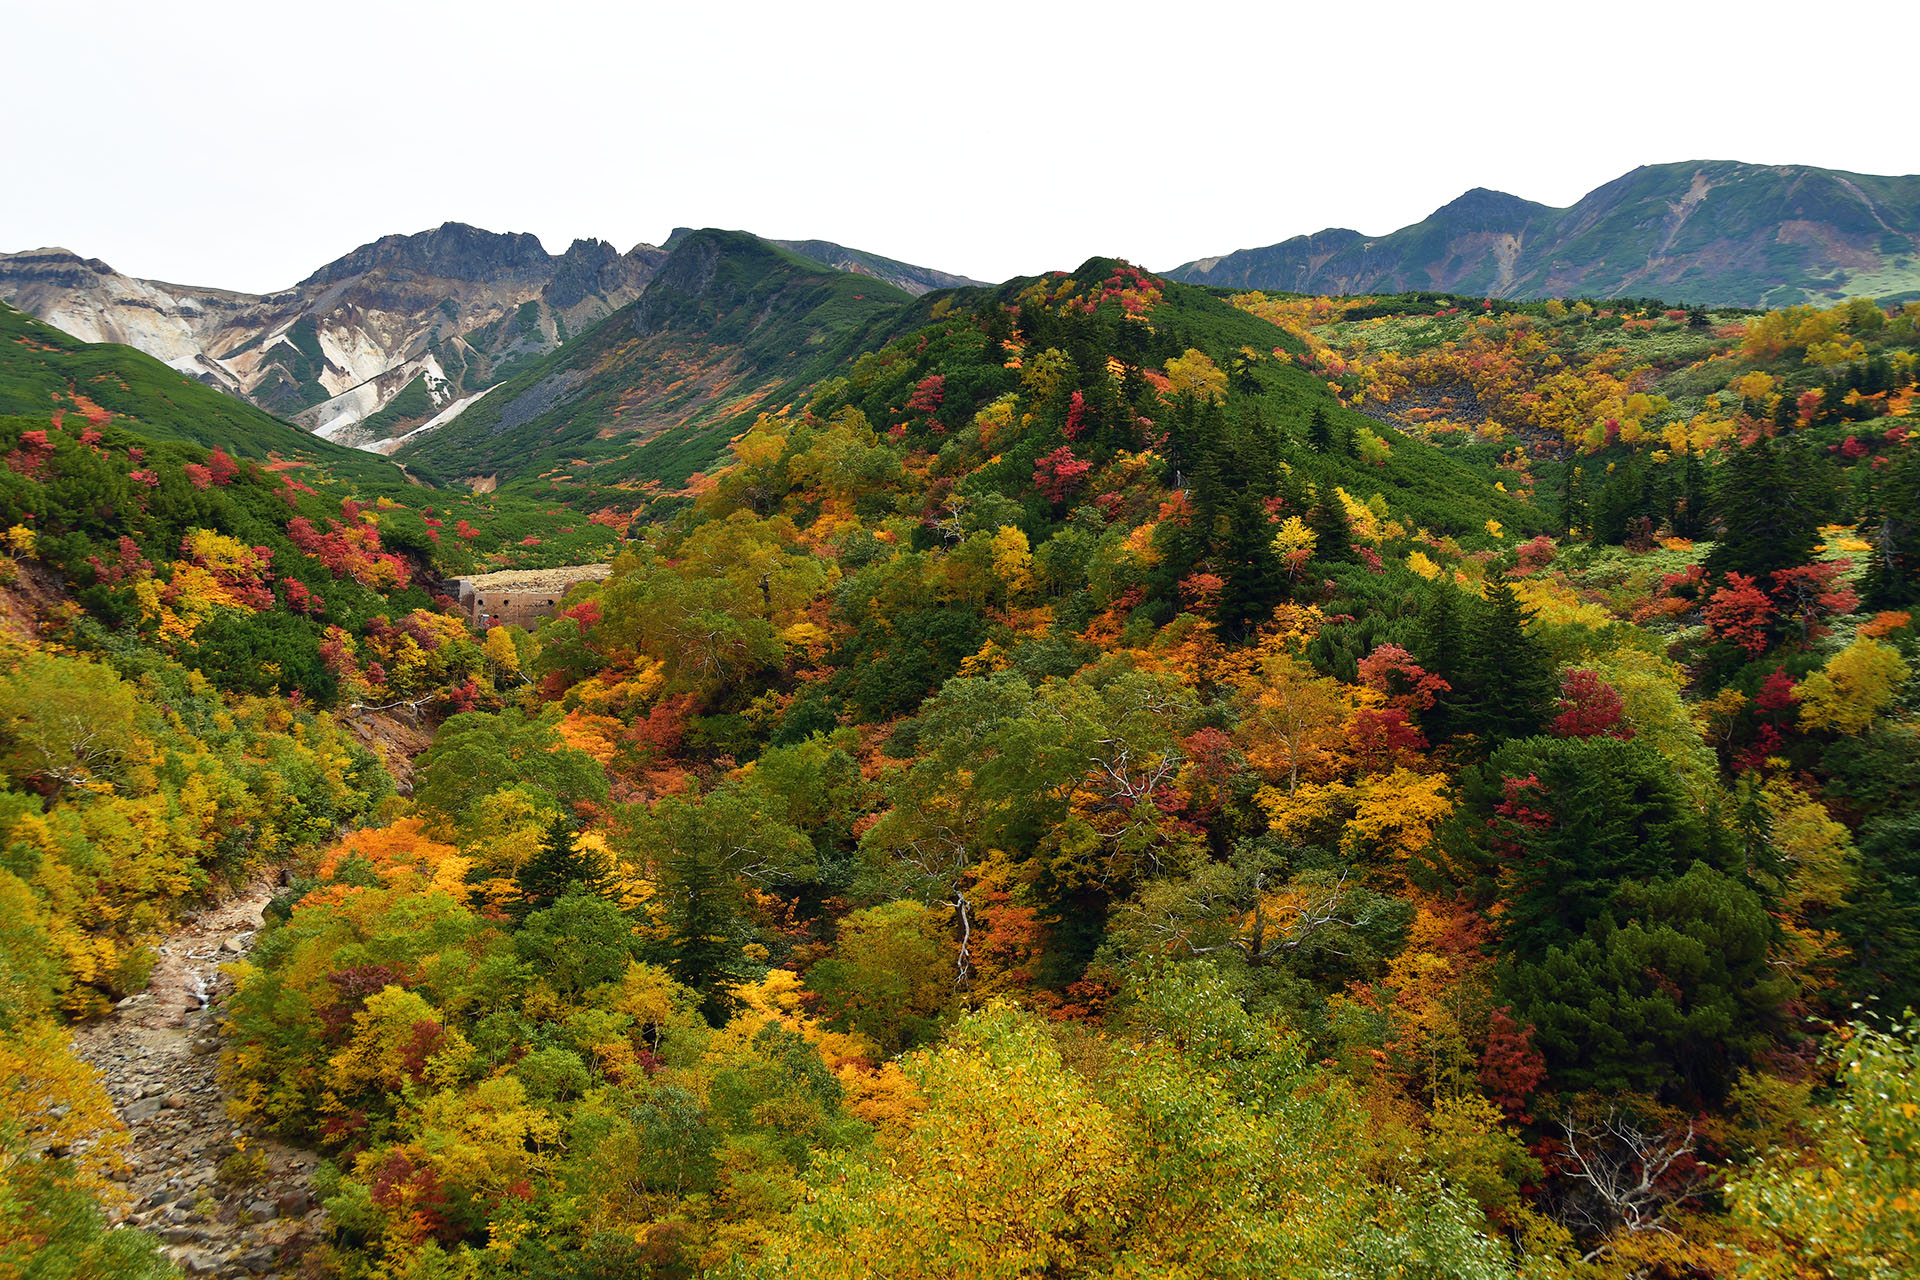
243	145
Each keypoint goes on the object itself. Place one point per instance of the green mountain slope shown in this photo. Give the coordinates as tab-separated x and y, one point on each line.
730	322
43	370
1717	232
904	275
733	327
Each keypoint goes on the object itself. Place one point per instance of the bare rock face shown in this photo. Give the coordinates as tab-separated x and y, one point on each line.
90	300
223	1200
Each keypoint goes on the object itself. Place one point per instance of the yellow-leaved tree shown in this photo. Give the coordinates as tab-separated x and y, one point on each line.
1016	1168
1857	684
1196	373
1206	1148
1013	560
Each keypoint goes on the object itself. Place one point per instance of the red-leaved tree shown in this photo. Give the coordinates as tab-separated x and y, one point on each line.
1057	474
1589	707
1510	1067
1811	593
1741	613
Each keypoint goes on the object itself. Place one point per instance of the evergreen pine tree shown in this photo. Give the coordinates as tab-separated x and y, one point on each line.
1319	431
1257	452
1211	477
1240	371
1768	521
1441	645
1332	530
1573	499
1295	494
1876	375
1892	531
1618	503
1690	498
704	954
1881	917
555	869
1508	673
1786	413
1135	390
1255	581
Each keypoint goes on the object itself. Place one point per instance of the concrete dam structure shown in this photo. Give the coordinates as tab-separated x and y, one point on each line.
522	597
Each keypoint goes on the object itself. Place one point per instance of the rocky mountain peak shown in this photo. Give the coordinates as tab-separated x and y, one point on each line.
451	251
54	266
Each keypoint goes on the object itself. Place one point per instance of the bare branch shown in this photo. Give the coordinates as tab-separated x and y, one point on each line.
1628	1177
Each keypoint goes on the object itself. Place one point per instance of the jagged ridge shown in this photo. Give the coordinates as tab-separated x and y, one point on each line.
728	321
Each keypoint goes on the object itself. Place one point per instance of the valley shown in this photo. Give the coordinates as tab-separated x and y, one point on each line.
226	1201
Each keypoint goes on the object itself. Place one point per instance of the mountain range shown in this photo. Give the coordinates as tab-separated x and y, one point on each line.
389	336
575	361
428	317
1071	739
1715	232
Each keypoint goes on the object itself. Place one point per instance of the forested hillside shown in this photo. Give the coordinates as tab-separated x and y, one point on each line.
1104	778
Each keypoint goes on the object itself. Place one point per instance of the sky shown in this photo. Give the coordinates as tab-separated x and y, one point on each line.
243	145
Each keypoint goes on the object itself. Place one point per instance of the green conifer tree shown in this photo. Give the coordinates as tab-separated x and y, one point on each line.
1255	580
557	869
1319	431
703	924
1441	645
1333	531
1688	516
1786	413
1573	500
1509	675
1892	531
1767	518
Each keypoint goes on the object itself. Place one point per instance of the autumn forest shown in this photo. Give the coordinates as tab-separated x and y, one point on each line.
1093	776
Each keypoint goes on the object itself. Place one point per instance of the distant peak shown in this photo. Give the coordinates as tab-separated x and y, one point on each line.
715	240
1482	205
